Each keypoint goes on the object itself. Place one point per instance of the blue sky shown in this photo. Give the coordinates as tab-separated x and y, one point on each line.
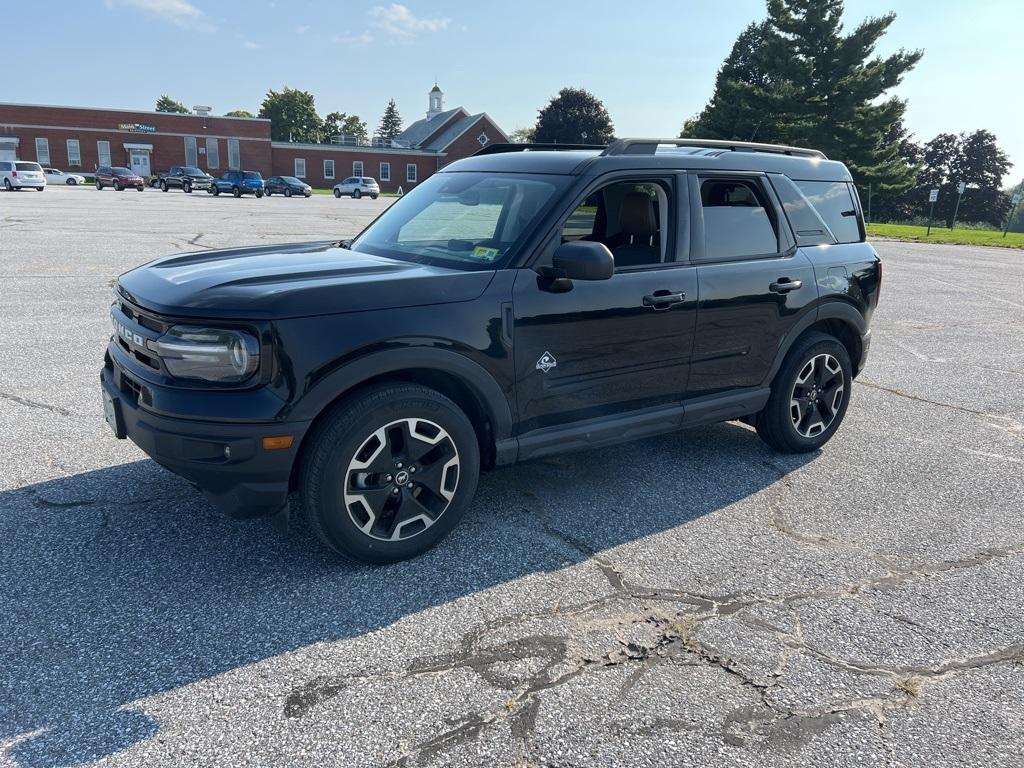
652	62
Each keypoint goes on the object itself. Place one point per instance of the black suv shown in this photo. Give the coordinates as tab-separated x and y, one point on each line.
516	304
185	178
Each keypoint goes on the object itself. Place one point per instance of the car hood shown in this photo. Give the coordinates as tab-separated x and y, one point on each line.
297	280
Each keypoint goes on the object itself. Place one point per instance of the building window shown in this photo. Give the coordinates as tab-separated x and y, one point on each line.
234	158
300	167
74	153
43	151
191	153
484	139
212	153
385	172
357	168
410	173
328	169
103	152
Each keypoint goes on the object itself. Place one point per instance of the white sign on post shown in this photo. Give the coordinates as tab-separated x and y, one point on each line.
961	187
933	195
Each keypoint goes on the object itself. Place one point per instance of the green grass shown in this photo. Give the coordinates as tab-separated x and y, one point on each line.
940	234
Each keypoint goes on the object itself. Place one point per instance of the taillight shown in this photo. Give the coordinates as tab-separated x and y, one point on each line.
14	173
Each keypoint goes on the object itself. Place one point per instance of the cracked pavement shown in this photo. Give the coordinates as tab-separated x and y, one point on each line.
691	600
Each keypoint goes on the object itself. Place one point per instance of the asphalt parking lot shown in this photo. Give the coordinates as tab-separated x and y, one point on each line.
694	600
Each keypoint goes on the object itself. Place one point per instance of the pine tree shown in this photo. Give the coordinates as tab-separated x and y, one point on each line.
390	124
798	79
574	116
166	104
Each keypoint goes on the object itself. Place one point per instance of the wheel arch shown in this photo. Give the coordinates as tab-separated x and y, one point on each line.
455	376
836	318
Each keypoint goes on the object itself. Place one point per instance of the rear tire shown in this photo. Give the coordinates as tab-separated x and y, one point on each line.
186	188
810	395
389	472
40	189
163	186
215	190
356	194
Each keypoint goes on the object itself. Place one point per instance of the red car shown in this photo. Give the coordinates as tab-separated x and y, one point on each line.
119	178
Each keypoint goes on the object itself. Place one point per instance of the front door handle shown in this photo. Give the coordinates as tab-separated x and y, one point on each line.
785	285
663	299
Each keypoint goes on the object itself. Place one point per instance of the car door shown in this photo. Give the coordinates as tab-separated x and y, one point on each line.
611	346
754	284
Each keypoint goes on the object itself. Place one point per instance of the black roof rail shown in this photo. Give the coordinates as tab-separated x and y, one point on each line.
650	146
499	149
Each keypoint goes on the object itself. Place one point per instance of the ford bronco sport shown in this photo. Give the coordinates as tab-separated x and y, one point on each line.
516	304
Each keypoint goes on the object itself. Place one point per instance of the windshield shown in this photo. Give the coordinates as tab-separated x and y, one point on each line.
252	175
461	220
291	180
28	167
123	172
188	170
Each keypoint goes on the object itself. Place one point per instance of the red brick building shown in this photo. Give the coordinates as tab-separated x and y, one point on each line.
80	139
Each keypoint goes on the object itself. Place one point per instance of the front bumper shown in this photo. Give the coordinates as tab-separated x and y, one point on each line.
243	481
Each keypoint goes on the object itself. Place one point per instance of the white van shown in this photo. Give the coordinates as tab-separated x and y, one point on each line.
16	174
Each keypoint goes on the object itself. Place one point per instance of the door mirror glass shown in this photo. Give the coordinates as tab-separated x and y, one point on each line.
583	260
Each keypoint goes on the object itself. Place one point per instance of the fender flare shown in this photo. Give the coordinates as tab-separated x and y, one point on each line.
360	369
829	310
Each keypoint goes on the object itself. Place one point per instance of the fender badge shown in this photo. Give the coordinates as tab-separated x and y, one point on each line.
547	362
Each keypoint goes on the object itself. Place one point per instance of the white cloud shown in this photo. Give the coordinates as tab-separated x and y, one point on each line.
251	45
302	29
399	21
181	13
363	38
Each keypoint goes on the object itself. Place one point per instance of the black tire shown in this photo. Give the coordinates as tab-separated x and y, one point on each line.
356	194
40	189
374	197
287	192
819	406
7	185
71	182
215	190
141	187
267	192
307	194
236	191
186	188
99	185
117	186
259	193
327	475
337	192
163	186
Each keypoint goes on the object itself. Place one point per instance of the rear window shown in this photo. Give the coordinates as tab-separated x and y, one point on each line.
737	221
367	181
834	203
28	167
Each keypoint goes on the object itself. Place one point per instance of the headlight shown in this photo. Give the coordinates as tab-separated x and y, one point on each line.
208	354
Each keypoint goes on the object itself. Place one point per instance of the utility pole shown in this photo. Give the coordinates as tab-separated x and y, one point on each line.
1015	200
959	194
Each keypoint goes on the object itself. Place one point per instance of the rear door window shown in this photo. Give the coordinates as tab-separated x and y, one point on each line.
834	203
738	220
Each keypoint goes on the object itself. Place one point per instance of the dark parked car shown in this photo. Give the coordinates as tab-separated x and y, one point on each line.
238	183
185	178
513	305
118	177
287	186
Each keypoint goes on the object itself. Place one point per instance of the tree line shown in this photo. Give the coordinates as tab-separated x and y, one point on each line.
294	117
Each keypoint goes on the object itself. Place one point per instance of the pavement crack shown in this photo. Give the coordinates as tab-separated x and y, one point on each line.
35	404
1005	423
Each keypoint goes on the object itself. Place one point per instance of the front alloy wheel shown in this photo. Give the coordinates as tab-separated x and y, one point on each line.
402	479
389	472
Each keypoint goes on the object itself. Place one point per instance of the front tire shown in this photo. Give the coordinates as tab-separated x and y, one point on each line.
187	188
117	186
810	395
356	194
236	191
259	193
163	186
71	182
7	185
337	192
215	190
287	192
389	473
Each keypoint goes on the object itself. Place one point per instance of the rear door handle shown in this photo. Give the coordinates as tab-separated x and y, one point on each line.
785	285
663	299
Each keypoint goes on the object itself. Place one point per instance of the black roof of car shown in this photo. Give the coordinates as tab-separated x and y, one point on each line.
656	154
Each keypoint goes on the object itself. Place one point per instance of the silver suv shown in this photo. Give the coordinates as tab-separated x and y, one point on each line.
22	173
357	186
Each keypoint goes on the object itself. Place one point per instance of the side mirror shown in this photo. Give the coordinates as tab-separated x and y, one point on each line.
583	260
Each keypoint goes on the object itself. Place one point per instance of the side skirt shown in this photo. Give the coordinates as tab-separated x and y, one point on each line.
622	428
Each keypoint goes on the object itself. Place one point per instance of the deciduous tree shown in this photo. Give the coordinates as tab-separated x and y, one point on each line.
239	113
292	115
574	116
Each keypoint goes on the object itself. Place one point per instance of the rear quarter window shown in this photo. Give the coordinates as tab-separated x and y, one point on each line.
833	200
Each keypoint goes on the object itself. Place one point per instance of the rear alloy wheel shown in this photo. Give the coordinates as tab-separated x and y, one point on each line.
7	184
186	188
163	186
389	473
809	396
